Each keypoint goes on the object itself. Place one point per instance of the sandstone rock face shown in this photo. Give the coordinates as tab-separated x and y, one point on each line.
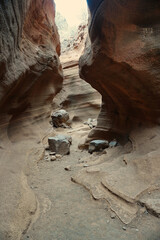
121	61
30	71
30	76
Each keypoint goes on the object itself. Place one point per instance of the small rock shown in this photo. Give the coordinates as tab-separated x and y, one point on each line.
97	145
47	148
85	165
107	221
52	153
59	156
91	123
113	215
68	168
53	158
59	118
124	228
137	230
113	143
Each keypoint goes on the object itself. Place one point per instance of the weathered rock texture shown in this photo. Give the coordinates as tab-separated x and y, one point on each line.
30	76
30	72
122	63
77	96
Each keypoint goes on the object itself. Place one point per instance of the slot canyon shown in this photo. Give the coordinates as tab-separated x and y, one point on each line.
80	121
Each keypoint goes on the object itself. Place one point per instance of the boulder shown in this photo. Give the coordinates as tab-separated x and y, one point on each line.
60	118
60	144
97	145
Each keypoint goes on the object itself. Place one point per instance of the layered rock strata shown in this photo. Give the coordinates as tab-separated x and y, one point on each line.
30	76
30	71
121	61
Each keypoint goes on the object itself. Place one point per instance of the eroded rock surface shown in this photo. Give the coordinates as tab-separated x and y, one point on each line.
121	61
30	76
30	72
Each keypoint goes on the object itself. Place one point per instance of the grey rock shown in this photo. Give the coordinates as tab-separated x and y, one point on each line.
60	144
113	215
113	143
60	118
97	145
91	123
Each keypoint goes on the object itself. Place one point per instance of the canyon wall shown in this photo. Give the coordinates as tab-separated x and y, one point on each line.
30	77
30	71
121	61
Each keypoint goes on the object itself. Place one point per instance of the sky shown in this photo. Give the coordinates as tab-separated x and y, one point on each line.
71	10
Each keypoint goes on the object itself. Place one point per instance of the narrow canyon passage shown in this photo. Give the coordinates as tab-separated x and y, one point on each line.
66	211
79	120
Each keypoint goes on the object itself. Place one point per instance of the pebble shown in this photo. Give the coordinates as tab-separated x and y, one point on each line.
68	168
53	158
113	215
85	165
58	156
124	228
52	153
113	144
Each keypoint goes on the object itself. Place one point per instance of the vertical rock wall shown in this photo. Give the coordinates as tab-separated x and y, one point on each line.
122	62
30	71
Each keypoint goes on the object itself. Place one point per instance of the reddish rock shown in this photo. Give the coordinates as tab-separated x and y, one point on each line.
30	71
122	63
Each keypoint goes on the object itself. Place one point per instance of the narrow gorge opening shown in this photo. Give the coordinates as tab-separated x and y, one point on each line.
71	20
64	174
